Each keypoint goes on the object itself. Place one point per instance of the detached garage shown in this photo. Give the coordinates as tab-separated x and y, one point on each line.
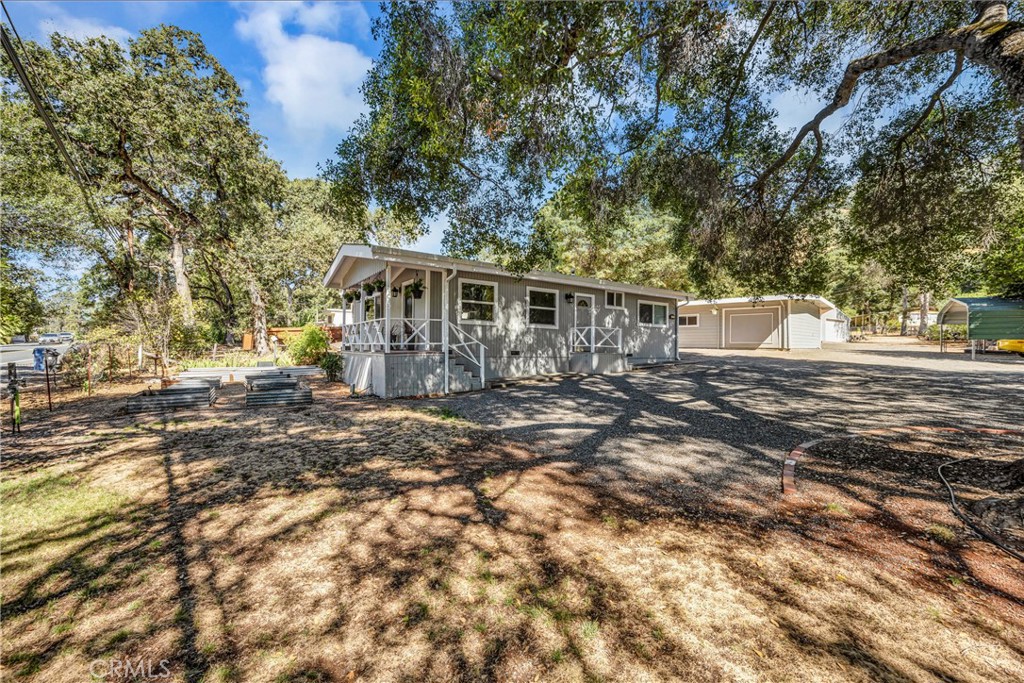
771	322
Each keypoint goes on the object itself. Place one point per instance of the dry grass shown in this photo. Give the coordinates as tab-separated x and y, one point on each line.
380	541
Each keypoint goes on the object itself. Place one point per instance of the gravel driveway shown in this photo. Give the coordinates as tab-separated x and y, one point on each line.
724	420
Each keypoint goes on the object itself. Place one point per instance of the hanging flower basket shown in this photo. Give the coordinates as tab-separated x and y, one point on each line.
368	288
378	285
416	288
348	296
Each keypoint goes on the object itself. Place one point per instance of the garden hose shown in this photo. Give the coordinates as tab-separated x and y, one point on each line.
977	529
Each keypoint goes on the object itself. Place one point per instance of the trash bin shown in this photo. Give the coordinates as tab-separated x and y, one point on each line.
38	358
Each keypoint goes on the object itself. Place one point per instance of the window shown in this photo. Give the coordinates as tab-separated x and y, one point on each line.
689	320
369	307
614	300
652	314
408	302
476	301
543	307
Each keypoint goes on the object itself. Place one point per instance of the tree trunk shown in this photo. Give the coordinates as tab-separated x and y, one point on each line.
181	282
905	314
259	318
922	326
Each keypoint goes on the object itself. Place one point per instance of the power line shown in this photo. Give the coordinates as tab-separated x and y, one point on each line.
41	109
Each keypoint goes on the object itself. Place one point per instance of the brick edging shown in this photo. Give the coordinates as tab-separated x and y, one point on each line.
789	466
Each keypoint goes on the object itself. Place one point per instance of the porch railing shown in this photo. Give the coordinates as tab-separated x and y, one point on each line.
367	335
595	339
467	346
406	334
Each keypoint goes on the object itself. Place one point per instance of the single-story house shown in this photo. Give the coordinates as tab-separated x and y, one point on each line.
784	321
423	324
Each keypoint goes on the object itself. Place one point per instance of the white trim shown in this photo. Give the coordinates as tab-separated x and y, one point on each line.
652	303
459	320
680	316
620	293
542	308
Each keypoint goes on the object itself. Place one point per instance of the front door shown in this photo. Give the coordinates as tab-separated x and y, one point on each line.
583	322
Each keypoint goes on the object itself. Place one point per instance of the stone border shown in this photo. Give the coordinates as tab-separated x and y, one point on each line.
789	466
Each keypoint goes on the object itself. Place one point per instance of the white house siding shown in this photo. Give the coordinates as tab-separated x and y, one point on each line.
804	325
706	334
516	348
835	326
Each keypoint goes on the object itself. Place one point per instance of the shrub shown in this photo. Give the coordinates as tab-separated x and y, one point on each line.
310	346
331	365
950	333
74	366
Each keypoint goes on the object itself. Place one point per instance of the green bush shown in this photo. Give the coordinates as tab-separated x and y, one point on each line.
310	346
74	366
331	364
190	341
950	333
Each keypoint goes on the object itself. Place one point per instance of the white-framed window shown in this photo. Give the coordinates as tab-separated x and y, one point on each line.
614	300
651	314
477	301
542	307
689	320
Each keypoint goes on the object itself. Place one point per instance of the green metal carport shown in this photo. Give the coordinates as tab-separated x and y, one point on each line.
986	318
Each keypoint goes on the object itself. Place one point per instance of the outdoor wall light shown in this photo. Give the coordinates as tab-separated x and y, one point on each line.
394	292
569	297
671	316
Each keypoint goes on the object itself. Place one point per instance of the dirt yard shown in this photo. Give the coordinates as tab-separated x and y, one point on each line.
401	541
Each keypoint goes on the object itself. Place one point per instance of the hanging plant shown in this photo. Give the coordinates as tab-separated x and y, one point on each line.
378	285
416	287
348	296
368	288
356	294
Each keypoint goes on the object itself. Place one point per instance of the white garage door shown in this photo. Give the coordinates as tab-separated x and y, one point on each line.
752	329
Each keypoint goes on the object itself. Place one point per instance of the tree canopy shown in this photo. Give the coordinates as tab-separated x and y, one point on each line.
488	111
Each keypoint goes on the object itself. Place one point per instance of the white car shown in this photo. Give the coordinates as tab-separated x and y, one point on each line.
66	337
49	339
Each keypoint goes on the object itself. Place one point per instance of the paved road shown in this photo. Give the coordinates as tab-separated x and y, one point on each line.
22	353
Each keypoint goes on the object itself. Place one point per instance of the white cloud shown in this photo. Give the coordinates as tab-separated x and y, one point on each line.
60	21
313	78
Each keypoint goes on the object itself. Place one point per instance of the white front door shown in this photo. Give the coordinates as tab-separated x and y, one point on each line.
583	321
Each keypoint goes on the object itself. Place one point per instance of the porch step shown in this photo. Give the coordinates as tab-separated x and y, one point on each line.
463	379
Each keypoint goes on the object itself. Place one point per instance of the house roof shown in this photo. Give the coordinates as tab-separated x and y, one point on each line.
349	253
823	303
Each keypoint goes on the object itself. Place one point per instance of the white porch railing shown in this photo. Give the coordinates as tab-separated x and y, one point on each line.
595	339
363	336
406	334
467	346
414	334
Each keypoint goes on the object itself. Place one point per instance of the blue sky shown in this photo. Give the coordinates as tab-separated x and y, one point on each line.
300	64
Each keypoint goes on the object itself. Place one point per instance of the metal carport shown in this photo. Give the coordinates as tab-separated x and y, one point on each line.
986	318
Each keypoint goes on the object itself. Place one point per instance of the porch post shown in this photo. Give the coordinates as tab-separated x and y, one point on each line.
387	308
444	325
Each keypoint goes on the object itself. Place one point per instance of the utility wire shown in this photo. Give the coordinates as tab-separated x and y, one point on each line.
44	114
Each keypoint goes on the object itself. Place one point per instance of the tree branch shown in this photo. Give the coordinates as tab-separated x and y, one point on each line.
990	40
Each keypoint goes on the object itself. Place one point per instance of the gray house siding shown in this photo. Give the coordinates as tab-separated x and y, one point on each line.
515	348
707	332
804	325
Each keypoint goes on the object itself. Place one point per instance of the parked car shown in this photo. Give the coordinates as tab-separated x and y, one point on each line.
66	337
18	339
1012	345
49	339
